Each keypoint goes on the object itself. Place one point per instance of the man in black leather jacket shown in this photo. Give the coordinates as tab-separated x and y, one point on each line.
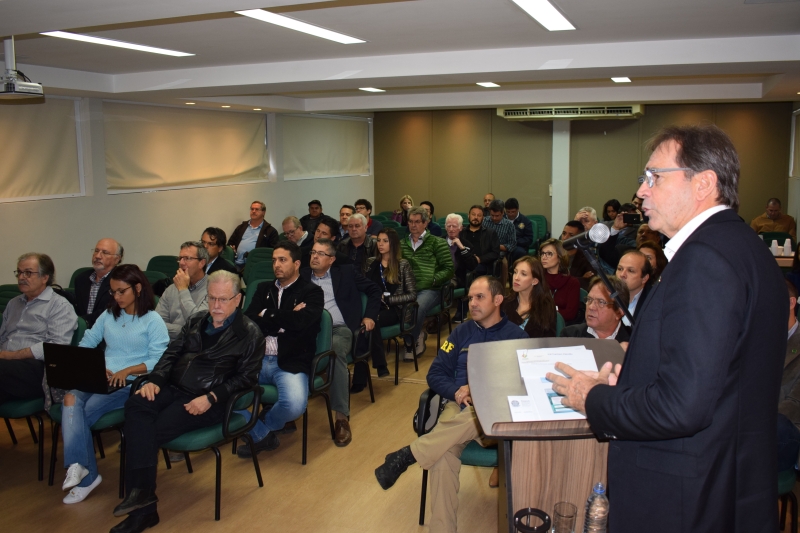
216	354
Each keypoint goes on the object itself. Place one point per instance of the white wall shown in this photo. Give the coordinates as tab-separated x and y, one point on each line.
155	223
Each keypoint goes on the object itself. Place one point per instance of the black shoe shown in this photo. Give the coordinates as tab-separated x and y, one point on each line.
136	499
383	372
355	388
270	442
396	463
136	523
289	427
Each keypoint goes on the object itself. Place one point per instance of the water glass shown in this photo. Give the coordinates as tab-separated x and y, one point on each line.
564	515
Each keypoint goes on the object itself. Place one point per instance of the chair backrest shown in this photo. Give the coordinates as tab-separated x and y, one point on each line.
391	224
261	270
402	231
559	324
166	264
154	276
76	274
380	218
258	255
584	294
779	236
427	415
7	292
228	254
324	344
251	292
447	296
78	335
386	214
541	226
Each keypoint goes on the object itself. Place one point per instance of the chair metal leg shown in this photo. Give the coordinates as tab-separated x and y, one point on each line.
166	458
30	427
249	440
330	414
11	430
122	458
217	496
423	497
233	447
369	383
41	446
100	448
188	462
396	358
305	435
53	452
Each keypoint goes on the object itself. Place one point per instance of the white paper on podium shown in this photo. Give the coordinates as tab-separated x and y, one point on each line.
522	409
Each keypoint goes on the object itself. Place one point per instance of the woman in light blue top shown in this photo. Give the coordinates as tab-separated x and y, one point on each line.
135	337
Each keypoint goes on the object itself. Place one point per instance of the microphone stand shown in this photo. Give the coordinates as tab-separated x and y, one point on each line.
589	251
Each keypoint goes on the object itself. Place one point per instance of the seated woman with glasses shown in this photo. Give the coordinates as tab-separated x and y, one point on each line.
530	305
136	338
394	275
565	289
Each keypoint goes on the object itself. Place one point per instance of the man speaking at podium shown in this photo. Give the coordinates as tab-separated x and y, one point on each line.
691	420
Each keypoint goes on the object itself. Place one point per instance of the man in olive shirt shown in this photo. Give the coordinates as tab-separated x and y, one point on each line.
774	220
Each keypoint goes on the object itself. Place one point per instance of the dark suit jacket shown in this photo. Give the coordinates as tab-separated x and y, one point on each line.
220	263
348	283
692	418
267	236
524	232
82	286
640	304
582	331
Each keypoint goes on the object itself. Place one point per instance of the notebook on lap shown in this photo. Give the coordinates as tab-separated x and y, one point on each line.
76	368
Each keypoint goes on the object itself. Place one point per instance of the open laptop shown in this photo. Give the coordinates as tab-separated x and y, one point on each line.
75	368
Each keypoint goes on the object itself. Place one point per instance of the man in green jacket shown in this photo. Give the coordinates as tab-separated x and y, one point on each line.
433	267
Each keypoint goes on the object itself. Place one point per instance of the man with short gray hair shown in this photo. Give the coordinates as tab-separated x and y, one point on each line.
295	233
358	246
91	287
187	294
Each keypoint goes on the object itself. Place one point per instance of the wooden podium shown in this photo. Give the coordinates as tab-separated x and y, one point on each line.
541	463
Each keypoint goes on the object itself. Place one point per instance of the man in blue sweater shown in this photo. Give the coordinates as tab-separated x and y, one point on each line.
439	451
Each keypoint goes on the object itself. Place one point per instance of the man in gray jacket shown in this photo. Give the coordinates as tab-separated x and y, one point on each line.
188	292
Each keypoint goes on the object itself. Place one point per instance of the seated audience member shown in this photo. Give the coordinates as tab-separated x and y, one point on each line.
253	233
433	227
644	233
432	264
187	294
358	246
135	338
603	316
440	450
502	226
344	215
295	233
488	198
637	202
622	238
566	290
579	266
794	274
401	215
91	287
342	286
587	216
36	316
364	207
655	256
522	226
309	222
530	305
610	210
217	354
635	270
214	241
789	397
394	276
774	220
475	250
327	228
288	311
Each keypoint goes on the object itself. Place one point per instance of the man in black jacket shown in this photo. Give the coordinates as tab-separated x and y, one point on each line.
91	287
342	286
603	316
217	354
288	311
483	242
214	241
253	233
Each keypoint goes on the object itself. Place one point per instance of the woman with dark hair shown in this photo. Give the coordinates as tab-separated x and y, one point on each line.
655	255
565	289
530	305
401	215
394	275
610	210
136	338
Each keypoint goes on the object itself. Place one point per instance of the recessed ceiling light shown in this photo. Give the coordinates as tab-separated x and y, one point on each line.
112	42
257	109
189	103
226	106
296	25
371	90
621	80
545	14
487	84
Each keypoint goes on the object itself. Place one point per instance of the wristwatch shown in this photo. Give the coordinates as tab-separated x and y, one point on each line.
210	398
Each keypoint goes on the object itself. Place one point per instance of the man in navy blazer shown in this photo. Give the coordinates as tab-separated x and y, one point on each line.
691	418
92	286
342	286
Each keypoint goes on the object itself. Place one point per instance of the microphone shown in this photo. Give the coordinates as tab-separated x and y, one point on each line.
597	234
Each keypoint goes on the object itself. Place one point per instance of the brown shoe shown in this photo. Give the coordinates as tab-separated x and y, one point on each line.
342	432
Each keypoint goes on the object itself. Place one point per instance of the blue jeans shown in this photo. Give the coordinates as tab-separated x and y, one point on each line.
76	421
292	397
427	300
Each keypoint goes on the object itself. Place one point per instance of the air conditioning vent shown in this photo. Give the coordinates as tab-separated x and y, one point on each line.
572	112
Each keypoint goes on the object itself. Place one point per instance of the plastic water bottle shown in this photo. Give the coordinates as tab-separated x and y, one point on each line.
596	511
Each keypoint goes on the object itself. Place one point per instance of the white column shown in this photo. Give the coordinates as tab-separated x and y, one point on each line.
560	178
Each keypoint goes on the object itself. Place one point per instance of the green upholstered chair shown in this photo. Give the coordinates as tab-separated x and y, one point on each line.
779	236
402	231
386	214
26	409
111	421
318	383
354	356
7	292
393	334
77	335
380	218
257	255
541	232
442	311
251	292
259	270
228	254
786	481
559	324
76	274
166	264
391	224
535	244
155	275
426	417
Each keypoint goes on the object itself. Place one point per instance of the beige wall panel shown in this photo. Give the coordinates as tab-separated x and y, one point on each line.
402	156
761	134
522	163
657	116
604	162
460	159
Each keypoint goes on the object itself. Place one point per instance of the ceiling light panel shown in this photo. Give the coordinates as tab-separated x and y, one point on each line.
621	80
112	42
371	90
545	14
487	84
293	24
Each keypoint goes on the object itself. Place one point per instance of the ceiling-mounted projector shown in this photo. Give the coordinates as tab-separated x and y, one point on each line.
11	87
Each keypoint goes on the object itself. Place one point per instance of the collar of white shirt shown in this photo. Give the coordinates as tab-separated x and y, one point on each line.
686	231
593	333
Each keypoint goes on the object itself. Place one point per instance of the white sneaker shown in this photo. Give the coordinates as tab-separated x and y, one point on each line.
78	494
176	457
409	355
420	345
75	474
